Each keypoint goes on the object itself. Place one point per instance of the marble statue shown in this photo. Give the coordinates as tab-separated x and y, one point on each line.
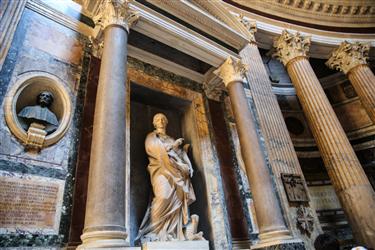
167	217
40	113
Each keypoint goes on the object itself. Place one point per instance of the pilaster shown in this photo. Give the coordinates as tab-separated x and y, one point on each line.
279	146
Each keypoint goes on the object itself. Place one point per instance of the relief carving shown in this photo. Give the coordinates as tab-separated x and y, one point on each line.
231	70
251	26
305	219
289	46
349	55
111	12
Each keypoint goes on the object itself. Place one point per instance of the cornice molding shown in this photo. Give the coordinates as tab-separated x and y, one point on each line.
329	13
192	13
322	41
349	55
289	46
173	34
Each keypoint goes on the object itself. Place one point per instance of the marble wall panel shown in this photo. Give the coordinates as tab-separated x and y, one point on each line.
42	45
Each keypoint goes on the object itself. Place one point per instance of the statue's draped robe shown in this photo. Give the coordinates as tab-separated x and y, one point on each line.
173	193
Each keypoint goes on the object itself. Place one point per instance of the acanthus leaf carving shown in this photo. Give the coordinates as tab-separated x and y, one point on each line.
349	55
251	27
114	12
289	46
231	70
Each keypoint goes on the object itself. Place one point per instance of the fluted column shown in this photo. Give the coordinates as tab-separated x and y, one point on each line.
352	60
105	207
347	176
272	229
280	150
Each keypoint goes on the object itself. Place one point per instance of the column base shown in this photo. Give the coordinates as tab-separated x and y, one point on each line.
238	244
292	244
103	239
278	238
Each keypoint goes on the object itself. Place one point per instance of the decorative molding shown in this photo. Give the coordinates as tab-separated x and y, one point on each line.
213	86
305	219
10	14
27	85
173	34
217	9
322	41
114	12
349	55
329	13
46	10
164	64
231	70
202	19
251	26
289	46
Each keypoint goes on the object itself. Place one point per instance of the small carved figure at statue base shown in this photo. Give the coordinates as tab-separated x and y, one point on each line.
167	217
39	120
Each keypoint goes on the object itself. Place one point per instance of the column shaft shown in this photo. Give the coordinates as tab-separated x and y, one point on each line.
363	81
105	209
281	153
347	176
268	212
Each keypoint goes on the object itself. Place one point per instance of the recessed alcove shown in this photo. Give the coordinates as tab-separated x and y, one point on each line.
24	93
144	104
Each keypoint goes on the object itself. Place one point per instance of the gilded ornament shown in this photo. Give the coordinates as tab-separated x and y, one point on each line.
349	55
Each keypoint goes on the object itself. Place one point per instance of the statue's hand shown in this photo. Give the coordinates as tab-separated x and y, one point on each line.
179	142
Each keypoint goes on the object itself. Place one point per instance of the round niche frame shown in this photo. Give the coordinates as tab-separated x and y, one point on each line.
24	92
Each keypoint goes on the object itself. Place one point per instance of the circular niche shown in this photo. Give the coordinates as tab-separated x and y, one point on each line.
24	93
294	125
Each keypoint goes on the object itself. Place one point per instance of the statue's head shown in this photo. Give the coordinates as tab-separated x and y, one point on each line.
44	99
160	121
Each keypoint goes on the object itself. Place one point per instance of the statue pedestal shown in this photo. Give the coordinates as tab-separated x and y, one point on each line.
176	245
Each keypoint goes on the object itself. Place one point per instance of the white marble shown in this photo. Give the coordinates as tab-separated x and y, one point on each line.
176	245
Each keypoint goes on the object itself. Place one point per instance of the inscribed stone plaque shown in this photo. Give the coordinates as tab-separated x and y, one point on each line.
294	188
324	198
30	204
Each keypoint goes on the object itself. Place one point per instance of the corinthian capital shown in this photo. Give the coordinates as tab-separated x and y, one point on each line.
348	56
289	46
251	26
231	70
115	12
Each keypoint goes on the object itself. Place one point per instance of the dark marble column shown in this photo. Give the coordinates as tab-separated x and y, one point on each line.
105	207
272	229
